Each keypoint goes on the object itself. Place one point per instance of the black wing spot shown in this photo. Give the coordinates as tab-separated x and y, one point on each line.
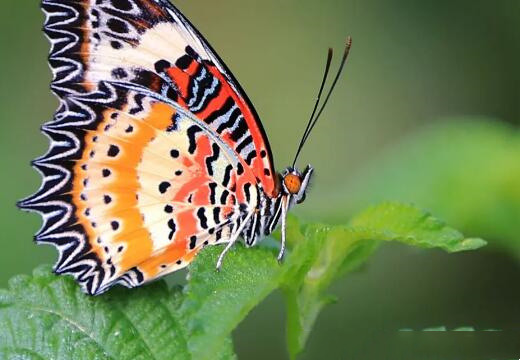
216	215
163	187
168	209
201	214
247	191
171	93
114	225
107	199
192	131
212	193
116	44
193	242
106	172
211	159
173	228
161	66
189	50
113	151
183	62
223	197
240	169
227	175
250	157
123	5
174	153
117	26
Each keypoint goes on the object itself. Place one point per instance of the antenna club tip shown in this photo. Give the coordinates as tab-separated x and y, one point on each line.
349	41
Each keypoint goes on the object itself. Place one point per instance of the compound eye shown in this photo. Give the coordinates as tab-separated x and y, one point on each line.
292	183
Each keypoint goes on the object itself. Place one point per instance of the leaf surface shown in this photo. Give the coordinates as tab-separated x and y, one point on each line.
44	316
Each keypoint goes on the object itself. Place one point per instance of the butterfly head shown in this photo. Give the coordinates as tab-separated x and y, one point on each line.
294	183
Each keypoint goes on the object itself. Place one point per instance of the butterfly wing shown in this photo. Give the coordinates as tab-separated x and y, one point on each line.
148	161
150	43
134	188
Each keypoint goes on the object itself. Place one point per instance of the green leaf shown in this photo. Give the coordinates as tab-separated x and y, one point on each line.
464	170
51	317
215	303
44	316
342	248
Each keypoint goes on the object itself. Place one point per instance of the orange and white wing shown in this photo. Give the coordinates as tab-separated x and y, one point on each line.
154	149
140	189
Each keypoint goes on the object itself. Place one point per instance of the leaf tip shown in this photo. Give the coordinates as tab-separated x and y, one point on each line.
469	244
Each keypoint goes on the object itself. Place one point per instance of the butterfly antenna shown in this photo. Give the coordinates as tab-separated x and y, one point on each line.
348	45
309	123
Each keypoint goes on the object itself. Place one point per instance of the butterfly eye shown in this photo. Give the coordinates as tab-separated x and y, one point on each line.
292	183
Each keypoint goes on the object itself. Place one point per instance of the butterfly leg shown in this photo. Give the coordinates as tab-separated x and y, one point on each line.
284	226
233	240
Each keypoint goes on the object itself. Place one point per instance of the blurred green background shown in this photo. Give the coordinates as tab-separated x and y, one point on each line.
427	112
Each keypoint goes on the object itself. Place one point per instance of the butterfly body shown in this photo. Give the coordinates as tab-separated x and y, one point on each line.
155	150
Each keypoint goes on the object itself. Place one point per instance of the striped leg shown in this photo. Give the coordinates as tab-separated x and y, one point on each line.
233	240
285	205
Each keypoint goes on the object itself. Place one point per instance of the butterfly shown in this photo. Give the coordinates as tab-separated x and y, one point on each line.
155	149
